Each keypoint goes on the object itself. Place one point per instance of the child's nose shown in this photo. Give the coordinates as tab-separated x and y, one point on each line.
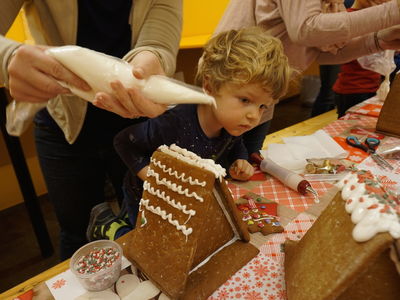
253	113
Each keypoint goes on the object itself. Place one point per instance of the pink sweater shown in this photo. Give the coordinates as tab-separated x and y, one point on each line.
302	27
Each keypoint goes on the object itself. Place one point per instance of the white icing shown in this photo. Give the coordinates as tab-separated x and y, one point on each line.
143	220
161	194
370	215
178	176
194	160
163	214
173	186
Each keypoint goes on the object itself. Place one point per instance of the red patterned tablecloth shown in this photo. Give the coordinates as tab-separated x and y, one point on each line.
263	277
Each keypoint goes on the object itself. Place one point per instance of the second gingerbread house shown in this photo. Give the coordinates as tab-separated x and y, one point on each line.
189	238
352	250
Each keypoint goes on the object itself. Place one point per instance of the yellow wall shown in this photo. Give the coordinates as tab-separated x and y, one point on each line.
200	17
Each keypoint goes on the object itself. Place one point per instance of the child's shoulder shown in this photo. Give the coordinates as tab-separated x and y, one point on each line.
182	111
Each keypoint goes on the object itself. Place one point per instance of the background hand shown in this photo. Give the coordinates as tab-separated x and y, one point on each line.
389	38
130	103
241	170
33	75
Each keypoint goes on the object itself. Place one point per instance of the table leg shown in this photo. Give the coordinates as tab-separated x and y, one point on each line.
25	182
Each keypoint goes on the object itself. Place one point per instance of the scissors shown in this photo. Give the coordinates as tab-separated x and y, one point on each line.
369	146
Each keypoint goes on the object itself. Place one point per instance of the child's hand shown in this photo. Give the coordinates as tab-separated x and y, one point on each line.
241	170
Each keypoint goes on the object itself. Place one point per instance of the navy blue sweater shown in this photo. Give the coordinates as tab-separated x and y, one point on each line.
181	126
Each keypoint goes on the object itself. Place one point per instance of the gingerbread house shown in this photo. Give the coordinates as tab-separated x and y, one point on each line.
352	250
189	238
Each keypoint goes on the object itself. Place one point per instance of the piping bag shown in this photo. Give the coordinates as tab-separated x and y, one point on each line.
287	177
99	69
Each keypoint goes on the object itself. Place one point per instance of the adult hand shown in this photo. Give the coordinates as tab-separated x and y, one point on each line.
241	170
129	102
33	75
389	38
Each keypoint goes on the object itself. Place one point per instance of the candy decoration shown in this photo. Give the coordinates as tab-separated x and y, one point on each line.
96	260
259	214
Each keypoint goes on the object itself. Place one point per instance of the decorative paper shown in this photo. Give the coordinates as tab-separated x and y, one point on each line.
355	155
370	107
391	179
263	277
273	189
65	286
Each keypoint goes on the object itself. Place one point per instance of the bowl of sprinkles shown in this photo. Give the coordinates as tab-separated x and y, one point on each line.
97	265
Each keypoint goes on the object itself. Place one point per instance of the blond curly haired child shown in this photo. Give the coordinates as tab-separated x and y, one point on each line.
246	71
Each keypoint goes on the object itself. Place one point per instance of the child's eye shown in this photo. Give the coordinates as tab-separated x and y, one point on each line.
244	100
263	106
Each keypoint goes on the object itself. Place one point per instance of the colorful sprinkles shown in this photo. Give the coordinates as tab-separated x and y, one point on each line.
96	260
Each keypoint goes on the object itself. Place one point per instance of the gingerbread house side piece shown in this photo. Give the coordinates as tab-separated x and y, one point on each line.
326	263
164	254
222	224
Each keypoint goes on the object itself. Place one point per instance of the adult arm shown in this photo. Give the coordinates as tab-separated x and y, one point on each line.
307	25
161	33
154	54
29	74
388	38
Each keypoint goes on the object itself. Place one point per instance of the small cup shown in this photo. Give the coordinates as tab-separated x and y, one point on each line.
104	278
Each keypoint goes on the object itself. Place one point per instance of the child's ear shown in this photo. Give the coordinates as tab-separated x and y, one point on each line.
207	86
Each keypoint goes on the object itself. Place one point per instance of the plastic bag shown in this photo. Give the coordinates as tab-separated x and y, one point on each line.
391	151
20	115
327	169
382	63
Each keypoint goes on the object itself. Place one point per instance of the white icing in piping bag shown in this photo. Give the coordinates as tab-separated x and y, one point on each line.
99	70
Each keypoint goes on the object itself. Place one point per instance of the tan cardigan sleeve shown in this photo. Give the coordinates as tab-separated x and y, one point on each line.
9	10
161	33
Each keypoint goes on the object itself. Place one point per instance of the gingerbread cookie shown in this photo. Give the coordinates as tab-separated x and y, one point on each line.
259	214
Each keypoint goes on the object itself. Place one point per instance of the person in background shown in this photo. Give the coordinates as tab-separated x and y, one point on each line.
397	68
354	83
325	100
310	31
74	138
246	72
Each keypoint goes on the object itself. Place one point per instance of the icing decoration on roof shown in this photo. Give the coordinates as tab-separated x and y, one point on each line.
156	192
194	160
173	186
175	173
163	214
373	208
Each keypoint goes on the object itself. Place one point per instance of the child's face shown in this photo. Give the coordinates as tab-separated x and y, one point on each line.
240	107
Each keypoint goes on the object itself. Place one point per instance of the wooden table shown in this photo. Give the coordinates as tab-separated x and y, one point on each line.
303	128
